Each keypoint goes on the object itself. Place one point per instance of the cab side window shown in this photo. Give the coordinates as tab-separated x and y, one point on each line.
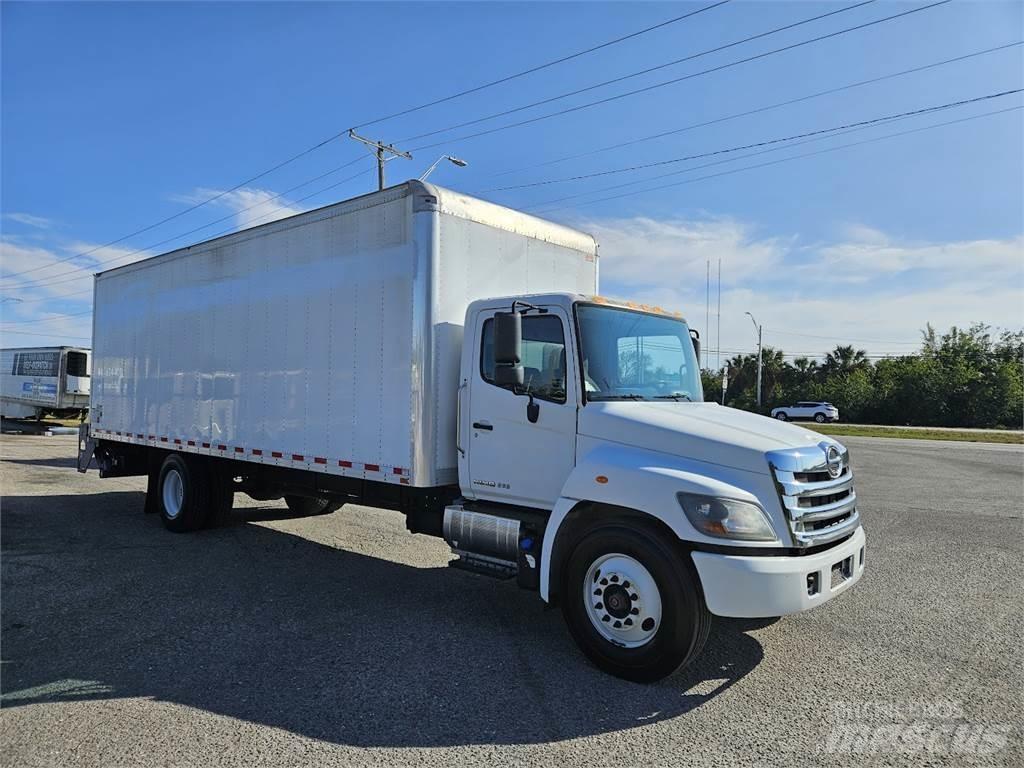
543	357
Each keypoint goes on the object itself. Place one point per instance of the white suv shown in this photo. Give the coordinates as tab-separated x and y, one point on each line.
820	412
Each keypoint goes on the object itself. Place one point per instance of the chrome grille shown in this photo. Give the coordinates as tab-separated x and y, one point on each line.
820	508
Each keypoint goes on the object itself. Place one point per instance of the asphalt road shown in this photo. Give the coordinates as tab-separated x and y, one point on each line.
344	640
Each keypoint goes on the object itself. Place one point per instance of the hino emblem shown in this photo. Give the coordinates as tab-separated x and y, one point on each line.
834	461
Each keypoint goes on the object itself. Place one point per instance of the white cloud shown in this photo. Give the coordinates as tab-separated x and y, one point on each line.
37	287
678	249
29	220
869	288
252	206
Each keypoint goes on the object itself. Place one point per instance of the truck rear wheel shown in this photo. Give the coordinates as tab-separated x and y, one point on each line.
183	494
221	496
632	603
305	505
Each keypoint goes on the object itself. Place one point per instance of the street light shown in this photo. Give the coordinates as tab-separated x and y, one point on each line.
449	158
758	329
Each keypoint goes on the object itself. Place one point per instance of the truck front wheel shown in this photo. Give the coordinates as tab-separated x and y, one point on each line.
633	604
183	494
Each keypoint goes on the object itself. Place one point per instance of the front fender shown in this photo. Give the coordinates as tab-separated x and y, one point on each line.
645	481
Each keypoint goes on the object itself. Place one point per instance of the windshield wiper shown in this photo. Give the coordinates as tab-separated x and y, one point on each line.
675	396
630	396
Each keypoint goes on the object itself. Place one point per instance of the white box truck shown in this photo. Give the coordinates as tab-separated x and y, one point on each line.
420	350
36	381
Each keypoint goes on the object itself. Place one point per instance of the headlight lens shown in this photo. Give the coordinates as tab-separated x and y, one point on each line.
726	518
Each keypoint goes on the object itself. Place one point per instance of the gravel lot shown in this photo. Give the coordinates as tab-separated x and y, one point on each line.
344	640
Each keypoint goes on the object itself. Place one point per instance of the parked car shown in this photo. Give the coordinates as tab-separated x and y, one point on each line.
820	412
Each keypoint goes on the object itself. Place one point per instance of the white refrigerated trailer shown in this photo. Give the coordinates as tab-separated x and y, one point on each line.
36	381
420	350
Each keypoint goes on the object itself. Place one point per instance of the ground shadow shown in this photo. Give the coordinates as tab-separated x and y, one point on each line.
277	629
49	461
31	426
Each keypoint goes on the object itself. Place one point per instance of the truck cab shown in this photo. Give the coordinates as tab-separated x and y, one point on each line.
643	509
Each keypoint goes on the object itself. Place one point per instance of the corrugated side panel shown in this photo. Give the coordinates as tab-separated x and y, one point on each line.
480	261
289	346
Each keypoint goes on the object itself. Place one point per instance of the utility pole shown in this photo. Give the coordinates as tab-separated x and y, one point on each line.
707	314
382	152
718	333
759	329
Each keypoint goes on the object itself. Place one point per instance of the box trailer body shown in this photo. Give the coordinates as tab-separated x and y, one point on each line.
322	341
420	350
44	380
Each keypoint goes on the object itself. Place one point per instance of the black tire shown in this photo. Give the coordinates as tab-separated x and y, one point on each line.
305	506
192	509
685	619
781	416
222	497
820	418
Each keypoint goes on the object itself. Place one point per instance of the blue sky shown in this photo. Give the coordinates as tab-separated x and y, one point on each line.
118	115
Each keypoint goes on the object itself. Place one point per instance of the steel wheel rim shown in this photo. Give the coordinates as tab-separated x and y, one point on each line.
173	493
610	580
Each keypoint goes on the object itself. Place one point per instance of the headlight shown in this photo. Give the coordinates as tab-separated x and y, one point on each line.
726	518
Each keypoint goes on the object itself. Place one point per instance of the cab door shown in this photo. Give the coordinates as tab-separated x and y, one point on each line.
511	459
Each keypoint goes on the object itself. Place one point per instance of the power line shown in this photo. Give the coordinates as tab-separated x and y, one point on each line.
47	335
711	164
229	230
78	274
831	338
47	281
665	83
794	157
334	136
46	319
638	73
191	208
758	110
658	163
540	67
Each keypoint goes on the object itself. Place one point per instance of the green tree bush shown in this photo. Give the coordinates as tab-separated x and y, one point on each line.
962	378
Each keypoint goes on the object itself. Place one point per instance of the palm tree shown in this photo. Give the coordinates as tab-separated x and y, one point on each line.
845	359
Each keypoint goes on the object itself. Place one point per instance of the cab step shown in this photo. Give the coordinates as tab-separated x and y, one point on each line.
484	566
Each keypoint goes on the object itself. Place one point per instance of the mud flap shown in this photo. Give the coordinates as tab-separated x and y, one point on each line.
86	447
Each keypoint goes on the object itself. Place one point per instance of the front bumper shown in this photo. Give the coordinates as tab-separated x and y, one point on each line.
745	586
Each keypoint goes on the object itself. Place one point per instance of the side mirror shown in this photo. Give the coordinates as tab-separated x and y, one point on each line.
508	349
510	376
695	338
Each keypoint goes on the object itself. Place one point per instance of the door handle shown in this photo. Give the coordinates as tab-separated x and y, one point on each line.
458	419
486	426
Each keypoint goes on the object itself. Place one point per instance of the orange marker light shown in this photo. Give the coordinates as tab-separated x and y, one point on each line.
601	479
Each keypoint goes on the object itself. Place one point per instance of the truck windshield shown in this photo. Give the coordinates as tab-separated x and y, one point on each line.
631	355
